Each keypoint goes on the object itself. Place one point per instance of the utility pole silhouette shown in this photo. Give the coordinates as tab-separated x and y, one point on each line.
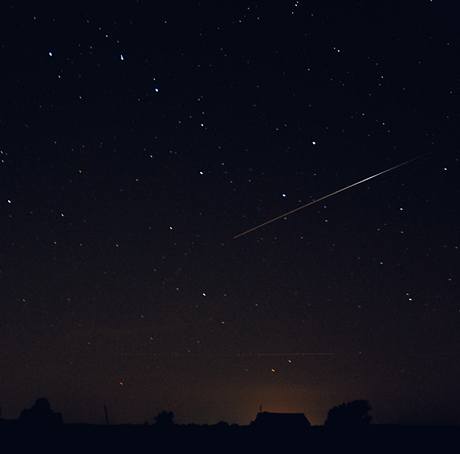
106	415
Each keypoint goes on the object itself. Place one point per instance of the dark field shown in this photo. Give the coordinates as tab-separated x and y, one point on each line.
218	438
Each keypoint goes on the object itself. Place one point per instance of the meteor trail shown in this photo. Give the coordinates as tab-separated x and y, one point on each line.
325	197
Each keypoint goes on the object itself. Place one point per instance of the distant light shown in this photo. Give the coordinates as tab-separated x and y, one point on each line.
50	53
313	142
121	57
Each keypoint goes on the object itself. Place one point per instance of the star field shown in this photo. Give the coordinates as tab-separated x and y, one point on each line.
138	139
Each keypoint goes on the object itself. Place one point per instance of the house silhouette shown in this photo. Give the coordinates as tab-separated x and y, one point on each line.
285	422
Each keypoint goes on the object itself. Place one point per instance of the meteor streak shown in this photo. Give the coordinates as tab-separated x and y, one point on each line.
324	197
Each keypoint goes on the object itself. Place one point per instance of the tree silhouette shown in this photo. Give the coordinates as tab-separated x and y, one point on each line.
40	414
165	419
350	414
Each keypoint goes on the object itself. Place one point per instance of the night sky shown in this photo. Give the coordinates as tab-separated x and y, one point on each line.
138	137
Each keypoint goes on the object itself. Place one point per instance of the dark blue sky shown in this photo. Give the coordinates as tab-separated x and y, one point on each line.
138	138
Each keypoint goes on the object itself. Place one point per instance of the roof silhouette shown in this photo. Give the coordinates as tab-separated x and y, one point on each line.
282	421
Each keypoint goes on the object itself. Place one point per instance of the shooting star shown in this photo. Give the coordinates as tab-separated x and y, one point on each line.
324	197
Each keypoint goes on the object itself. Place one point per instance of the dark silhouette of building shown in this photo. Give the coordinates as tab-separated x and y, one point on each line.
281	422
40	414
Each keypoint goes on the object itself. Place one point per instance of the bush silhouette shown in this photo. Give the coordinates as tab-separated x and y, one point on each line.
40	414
350	414
165	419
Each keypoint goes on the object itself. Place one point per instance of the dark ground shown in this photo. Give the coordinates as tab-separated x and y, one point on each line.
134	438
